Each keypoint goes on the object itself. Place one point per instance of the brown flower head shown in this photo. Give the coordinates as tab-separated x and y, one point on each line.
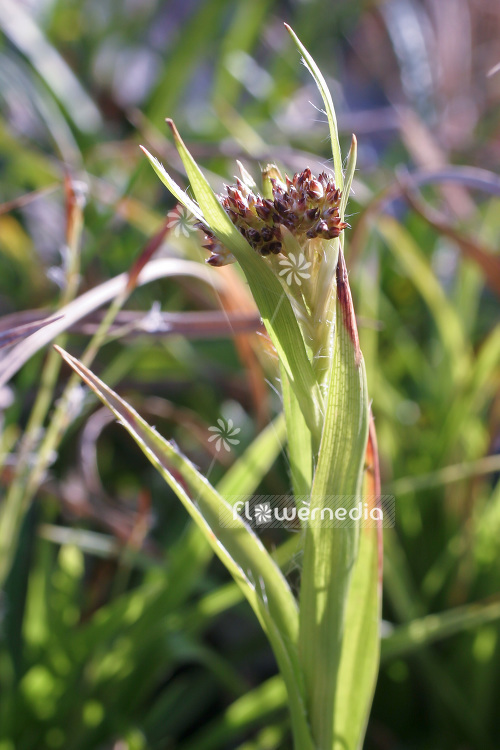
306	205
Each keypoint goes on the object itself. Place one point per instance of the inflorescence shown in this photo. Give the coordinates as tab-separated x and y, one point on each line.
307	206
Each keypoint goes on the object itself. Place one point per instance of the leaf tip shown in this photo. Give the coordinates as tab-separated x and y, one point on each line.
171	125
146	153
64	354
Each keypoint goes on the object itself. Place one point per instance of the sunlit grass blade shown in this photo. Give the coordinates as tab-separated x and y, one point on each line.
405	601
330	553
272	737
242	35
171	185
328	102
359	660
191	553
21	28
248	471
97	544
186	53
230	594
298	439
236	545
349	175
482	385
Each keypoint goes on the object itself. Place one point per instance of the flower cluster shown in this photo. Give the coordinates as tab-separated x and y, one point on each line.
307	206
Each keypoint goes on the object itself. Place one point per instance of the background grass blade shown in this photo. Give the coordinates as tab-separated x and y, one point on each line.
260	703
92	300
418	270
408	638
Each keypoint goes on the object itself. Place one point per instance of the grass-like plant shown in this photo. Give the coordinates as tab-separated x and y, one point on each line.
288	241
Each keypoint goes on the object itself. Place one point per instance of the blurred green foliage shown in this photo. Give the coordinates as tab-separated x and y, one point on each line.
117	628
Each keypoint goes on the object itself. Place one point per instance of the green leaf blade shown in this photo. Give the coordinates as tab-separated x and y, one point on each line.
359	660
236	545
328	102
330	553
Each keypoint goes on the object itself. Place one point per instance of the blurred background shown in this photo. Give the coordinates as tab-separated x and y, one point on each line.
117	628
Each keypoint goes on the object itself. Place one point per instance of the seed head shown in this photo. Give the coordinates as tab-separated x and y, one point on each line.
307	206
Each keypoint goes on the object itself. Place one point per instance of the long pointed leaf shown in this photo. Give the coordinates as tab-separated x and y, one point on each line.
191	553
349	175
330	553
237	546
359	659
328	102
247	472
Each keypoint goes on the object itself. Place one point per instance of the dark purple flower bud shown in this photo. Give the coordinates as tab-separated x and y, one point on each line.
307	206
253	236
275	247
280	206
263	211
